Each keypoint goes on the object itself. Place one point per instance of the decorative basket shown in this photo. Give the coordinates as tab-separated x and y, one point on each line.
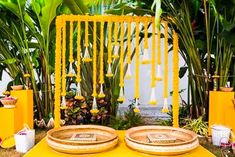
9	103
226	89
17	87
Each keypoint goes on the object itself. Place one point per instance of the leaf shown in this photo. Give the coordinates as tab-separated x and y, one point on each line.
47	13
2	68
10	61
182	71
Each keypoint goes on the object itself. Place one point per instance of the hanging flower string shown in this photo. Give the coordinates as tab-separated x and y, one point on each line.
94	109
71	60
165	79
63	94
175	80
101	94
116	46
128	72
159	75
57	72
121	84
153	100
78	79
146	59
109	71
137	68
86	57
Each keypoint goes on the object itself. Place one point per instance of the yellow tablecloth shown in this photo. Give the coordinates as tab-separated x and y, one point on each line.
121	150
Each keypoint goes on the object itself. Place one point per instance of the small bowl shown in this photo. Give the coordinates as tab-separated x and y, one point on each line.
9	103
17	87
226	89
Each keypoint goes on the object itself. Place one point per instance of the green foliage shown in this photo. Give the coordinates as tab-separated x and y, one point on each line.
128	120
197	125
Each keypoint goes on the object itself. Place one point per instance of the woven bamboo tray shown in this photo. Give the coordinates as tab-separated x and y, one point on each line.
161	140
82	139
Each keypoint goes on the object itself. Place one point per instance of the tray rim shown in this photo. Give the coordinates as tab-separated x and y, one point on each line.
152	127
103	128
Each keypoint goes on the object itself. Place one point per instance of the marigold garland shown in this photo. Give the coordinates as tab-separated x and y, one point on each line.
115	54
146	59
159	77
57	72
165	79
175	80
63	60
78	52
94	60
137	95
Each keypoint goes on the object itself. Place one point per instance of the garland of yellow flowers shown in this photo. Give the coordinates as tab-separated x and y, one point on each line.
165	79
63	94
136	109
57	72
101	94
115	55
94	109
71	60
153	100
175	80
121	84
109	71
146	59
78	79
128	73
159	77
86	57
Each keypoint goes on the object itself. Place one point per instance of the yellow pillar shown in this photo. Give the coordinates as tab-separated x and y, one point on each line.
24	106
10	122
221	109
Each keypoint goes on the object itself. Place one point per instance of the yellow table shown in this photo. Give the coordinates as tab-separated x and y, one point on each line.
121	150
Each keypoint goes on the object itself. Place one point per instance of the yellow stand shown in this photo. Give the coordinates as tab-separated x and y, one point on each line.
221	109
12	120
25	105
121	150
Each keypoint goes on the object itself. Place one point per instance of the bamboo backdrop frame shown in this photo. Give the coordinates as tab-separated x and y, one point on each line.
60	59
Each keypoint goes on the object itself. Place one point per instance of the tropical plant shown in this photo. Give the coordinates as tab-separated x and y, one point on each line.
197	125
128	120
